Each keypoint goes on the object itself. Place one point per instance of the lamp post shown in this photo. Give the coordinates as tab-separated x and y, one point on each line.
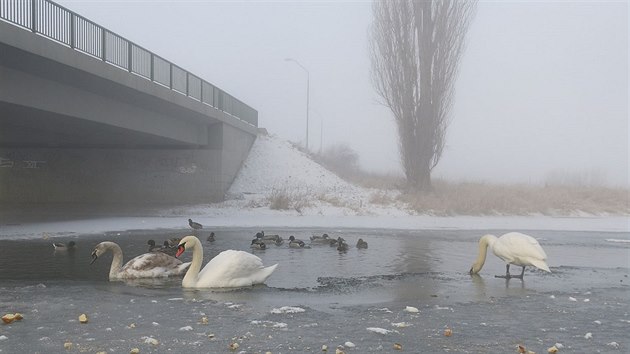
307	93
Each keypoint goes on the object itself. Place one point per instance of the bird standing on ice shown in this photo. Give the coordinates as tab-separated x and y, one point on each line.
194	225
513	248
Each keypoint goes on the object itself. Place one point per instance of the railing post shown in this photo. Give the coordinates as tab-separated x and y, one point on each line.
130	59
152	75
104	46
187	75
72	30
201	90
34	16
170	74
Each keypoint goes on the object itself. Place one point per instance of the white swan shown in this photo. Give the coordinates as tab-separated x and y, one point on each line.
227	270
148	265
513	248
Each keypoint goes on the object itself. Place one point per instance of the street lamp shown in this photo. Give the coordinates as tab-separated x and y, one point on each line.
307	93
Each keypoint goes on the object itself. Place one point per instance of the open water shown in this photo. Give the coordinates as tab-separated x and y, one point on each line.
321	297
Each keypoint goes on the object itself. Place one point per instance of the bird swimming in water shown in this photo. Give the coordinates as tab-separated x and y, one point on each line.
152	246
258	244
295	243
362	244
323	239
228	269
342	246
148	265
60	246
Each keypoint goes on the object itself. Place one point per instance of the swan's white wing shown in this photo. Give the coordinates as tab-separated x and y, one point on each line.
520	249
234	269
152	265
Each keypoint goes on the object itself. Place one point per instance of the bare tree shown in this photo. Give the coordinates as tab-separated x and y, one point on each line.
415	50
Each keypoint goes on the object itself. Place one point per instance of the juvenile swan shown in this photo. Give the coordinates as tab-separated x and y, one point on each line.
148	265
513	248
227	270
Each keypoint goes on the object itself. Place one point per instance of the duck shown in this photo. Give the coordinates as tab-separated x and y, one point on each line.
153	247
513	248
60	246
333	242
228	269
173	241
210	237
195	225
295	243
279	241
258	244
362	244
164	248
168	248
147	265
323	239
271	238
342	246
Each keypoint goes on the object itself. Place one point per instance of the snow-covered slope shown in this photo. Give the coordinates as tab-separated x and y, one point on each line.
275	168
276	164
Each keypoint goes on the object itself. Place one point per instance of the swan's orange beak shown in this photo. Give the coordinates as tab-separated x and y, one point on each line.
180	250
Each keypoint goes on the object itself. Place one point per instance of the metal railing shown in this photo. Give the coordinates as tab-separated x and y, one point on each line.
63	26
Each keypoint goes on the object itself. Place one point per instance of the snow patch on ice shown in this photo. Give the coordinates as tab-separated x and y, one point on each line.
270	324
287	309
616	240
381	330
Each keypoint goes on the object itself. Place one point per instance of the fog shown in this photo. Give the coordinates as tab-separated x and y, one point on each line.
542	93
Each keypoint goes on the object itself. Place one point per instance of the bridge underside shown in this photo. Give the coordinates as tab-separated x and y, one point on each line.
93	171
76	130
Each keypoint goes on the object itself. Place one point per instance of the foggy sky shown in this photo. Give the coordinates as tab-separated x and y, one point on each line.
542	91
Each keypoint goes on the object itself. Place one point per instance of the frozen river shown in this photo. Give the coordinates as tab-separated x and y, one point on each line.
320	296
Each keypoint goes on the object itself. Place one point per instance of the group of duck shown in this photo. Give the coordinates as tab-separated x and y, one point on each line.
261	241
233	268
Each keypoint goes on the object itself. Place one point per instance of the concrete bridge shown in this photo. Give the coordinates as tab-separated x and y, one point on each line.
87	116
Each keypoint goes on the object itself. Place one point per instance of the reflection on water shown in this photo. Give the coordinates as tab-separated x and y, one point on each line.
398	265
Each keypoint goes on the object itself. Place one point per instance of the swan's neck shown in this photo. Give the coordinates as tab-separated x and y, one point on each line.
117	260
484	242
192	275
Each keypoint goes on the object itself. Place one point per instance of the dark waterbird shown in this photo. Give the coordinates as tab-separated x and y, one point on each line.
195	225
60	246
